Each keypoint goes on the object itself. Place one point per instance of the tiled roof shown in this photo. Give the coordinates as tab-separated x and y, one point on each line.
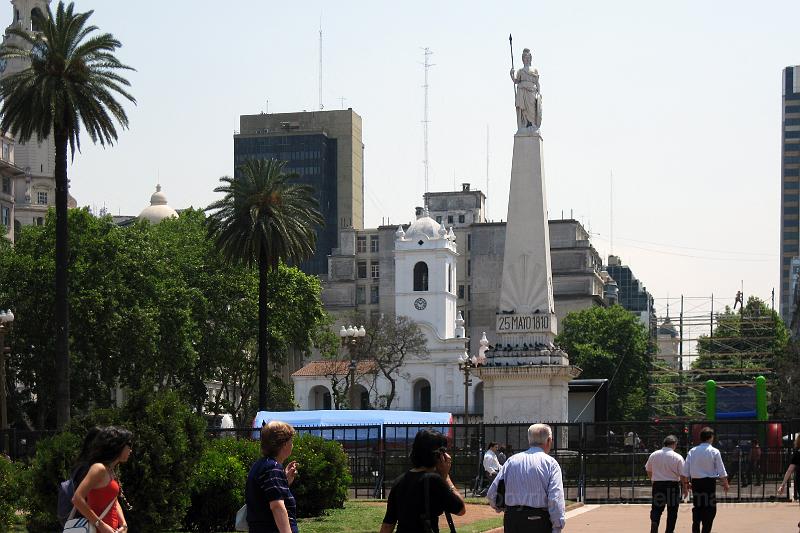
333	368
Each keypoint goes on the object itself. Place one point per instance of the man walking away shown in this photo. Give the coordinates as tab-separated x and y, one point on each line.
753	464
534	492
703	466
665	469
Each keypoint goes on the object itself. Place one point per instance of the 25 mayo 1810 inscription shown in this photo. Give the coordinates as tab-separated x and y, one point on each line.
522	323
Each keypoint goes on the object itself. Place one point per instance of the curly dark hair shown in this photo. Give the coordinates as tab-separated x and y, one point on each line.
428	446
101	445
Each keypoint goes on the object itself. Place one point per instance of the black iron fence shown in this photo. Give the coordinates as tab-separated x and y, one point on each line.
600	462
21	444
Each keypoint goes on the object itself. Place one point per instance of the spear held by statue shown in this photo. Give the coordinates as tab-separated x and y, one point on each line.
511	48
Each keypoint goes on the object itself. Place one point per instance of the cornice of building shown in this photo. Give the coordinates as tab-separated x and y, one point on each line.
528	372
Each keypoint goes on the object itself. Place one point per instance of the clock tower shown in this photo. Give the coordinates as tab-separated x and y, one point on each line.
36	190
425	274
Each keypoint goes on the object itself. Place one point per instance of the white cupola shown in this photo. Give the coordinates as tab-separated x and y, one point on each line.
158	209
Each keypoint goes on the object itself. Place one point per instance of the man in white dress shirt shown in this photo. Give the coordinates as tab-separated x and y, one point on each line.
491	466
665	469
534	492
703	466
490	461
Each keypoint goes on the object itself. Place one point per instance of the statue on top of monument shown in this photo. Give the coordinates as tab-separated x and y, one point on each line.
529	98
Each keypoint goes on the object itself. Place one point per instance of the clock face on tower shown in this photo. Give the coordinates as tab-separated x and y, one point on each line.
420	303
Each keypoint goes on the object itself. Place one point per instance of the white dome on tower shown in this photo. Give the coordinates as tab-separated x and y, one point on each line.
158	209
424	228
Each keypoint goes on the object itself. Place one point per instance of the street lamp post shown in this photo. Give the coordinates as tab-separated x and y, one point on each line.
466	364
6	318
351	338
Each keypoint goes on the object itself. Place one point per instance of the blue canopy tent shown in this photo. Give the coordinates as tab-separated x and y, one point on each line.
354	425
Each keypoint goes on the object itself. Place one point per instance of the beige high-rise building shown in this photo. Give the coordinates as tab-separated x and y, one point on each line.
324	148
35	188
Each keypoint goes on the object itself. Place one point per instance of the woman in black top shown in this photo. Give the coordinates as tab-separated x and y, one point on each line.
407	506
271	507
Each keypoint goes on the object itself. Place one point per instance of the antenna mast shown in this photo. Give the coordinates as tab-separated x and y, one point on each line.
425	120
486	207
320	63
611	212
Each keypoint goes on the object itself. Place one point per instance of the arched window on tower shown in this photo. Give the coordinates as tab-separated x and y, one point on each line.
34	26
450	278
421	276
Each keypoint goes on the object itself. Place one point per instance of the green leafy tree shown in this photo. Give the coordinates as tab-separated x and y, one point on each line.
785	391
160	309
135	308
71	84
263	219
611	343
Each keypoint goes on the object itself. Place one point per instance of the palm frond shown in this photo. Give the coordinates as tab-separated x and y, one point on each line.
263	212
72	84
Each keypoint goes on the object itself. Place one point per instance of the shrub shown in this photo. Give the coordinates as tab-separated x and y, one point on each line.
217	492
10	481
323	475
247	451
51	465
168	441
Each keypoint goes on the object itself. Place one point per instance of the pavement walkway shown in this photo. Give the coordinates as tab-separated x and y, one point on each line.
731	517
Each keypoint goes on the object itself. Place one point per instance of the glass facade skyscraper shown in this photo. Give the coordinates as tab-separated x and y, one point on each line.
632	294
324	148
790	188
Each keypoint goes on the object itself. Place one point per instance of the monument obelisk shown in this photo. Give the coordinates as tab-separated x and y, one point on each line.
526	376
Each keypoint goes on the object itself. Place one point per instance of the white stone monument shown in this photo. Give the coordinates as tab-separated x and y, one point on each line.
526	376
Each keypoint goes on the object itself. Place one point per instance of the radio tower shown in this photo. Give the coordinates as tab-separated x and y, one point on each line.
320	64
425	120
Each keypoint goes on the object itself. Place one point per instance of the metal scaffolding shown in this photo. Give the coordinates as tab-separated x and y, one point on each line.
701	342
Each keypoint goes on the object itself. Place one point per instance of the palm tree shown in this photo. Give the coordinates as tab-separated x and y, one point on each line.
71	80
264	219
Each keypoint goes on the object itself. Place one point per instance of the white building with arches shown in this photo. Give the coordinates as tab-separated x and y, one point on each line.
425	262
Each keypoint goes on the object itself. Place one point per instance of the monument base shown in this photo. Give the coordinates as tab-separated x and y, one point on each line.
526	393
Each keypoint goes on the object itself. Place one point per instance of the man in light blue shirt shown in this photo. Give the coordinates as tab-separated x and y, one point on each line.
703	466
534	492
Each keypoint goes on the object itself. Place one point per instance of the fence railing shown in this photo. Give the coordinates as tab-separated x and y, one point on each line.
601	462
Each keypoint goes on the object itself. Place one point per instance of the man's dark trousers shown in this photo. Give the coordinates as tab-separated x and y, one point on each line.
520	519
704	503
665	494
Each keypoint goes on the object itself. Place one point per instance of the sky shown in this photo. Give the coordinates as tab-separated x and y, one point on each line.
679	101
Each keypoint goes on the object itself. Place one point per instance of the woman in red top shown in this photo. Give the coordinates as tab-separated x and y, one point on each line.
103	450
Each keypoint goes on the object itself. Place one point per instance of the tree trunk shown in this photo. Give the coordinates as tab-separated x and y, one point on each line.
62	279
263	356
392	392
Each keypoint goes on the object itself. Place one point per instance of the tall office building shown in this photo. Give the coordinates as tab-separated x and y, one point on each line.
632	294
325	149
790	188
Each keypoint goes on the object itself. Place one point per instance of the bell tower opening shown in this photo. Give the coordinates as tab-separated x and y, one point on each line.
421	276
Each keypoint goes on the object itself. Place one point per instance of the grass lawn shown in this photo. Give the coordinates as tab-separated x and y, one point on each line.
362	517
